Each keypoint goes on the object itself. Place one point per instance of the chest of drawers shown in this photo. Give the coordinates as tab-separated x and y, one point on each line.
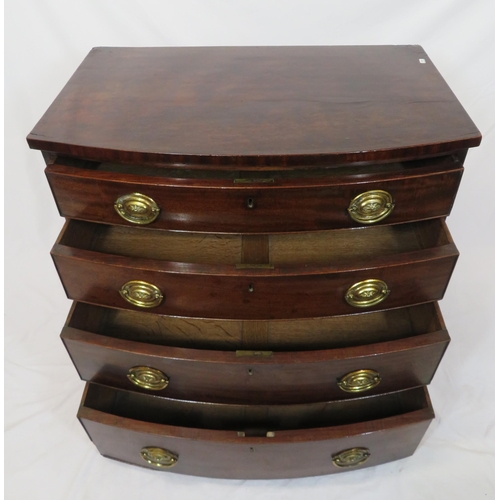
255	244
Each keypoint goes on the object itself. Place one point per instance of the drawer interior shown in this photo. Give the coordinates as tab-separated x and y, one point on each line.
337	247
286	335
252	419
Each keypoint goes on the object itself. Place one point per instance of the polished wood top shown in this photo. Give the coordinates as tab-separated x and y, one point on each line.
261	107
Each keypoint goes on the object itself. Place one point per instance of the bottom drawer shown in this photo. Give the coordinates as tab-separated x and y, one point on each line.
254	441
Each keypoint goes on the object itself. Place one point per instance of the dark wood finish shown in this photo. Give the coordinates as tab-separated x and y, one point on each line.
286	335
254	333
263	418
421	190
310	249
237	107
294	288
253	155
255	249
305	436
245	376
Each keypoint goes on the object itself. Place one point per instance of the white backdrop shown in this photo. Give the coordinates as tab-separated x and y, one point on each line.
48	455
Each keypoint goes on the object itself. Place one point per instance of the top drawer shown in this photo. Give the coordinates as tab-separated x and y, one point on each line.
256	201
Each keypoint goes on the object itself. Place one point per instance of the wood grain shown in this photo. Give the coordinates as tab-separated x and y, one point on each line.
254	376
421	190
284	335
237	107
253	155
290	291
391	426
324	248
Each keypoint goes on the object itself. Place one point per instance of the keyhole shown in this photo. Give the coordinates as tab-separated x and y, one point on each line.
250	287
250	203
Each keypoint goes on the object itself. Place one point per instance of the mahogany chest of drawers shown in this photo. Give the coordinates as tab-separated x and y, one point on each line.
255	244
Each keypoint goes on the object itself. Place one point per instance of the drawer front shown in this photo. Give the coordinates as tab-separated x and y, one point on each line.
281	454
189	290
243	376
253	207
307	275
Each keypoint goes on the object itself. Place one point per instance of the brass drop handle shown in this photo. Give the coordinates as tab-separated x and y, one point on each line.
148	378
351	457
137	208
159	457
367	293
359	381
141	294
371	207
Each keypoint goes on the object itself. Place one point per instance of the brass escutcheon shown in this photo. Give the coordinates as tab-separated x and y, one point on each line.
267	180
141	294
148	378
137	208
359	381
351	457
367	293
371	206
264	354
159	457
254	266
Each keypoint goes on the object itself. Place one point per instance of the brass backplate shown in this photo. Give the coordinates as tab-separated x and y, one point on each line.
141	294
137	208
159	457
367	293
351	457
264	180
262	354
371	207
359	381
148	378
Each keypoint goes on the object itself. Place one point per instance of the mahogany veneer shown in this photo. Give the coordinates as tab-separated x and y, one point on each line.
255	107
243	376
310	277
255	442
217	202
255	243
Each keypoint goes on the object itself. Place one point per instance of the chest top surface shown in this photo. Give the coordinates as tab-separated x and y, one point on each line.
231	107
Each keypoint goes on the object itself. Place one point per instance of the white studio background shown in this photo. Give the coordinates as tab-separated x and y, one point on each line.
48	455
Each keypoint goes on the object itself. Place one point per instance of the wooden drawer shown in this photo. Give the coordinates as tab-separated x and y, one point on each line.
254	442
255	244
206	276
244	376
253	202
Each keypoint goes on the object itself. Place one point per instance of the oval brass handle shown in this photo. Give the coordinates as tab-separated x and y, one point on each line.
371	206
159	457
137	208
148	378
367	293
359	381
141	294
351	457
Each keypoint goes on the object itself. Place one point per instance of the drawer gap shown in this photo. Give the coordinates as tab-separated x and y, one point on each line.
235	417
344	172
351	245
162	245
226	335
323	248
